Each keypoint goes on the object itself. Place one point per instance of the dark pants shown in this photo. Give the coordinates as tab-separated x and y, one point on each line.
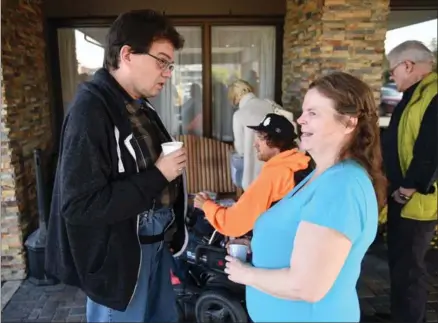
408	242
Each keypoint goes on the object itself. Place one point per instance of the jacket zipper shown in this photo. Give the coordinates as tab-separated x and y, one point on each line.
183	175
170	223
141	259
184	183
138	228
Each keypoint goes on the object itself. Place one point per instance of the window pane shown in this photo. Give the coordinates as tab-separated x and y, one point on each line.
80	55
246	52
179	104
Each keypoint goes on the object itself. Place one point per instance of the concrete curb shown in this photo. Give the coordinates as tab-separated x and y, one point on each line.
8	290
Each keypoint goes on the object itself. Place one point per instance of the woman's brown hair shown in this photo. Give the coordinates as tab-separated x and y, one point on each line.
352	97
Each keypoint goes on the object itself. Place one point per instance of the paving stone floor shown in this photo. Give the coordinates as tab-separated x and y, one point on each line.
61	303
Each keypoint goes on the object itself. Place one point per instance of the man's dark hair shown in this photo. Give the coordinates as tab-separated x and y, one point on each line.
274	141
138	29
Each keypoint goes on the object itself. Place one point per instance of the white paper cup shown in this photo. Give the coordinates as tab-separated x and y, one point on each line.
171	146
239	251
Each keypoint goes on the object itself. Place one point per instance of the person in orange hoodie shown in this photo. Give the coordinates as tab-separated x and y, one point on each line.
284	166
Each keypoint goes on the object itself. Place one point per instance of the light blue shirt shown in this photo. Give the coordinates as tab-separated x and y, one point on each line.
342	198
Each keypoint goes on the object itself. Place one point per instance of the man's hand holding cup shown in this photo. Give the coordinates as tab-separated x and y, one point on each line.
173	160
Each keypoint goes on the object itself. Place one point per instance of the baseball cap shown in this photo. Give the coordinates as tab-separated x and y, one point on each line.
277	126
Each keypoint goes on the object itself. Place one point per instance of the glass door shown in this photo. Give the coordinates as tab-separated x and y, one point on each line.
180	102
195	99
239	52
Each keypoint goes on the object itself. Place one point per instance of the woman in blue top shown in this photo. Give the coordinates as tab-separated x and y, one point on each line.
308	248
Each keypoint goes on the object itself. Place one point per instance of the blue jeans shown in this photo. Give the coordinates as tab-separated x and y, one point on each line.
154	299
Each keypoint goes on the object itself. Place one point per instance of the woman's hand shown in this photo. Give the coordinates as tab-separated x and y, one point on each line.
237	270
200	199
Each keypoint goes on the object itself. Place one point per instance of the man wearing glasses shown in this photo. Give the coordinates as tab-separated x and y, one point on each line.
410	149
118	206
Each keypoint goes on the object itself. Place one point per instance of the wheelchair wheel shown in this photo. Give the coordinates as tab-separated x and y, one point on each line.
219	306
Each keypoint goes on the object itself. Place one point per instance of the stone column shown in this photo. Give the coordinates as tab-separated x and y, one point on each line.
320	36
25	125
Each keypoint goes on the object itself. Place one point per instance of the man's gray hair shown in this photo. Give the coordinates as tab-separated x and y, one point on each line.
411	50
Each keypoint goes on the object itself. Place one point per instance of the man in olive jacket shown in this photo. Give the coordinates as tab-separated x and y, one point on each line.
411	162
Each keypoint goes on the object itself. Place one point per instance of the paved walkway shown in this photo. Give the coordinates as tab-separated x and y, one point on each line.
60	303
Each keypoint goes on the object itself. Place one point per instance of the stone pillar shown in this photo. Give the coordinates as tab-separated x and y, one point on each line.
25	125
320	36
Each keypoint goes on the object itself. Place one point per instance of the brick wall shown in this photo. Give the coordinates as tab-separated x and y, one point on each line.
321	36
25	125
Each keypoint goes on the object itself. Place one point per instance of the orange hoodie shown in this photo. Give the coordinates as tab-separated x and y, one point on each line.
276	179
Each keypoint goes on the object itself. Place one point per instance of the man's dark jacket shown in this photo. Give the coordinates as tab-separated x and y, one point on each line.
98	193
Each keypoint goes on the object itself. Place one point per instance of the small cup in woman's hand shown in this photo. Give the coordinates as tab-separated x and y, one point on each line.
244	241
239	251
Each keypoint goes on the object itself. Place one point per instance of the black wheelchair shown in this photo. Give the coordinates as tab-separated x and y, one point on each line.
204	292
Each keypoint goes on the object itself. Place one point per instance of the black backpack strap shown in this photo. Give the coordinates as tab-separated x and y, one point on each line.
151	239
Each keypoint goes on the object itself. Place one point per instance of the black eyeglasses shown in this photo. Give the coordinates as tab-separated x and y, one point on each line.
391	71
162	63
